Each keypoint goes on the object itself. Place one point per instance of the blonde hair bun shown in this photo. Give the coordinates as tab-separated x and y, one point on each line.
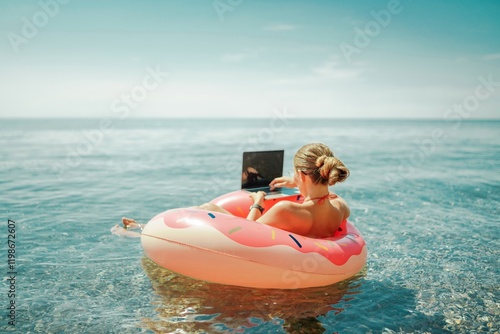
319	162
331	169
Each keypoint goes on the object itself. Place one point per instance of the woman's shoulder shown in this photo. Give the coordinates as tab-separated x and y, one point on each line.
287	206
334	198
342	205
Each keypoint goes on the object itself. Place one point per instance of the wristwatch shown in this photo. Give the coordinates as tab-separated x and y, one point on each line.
256	206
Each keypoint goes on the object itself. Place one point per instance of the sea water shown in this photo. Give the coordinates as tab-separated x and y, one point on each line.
424	194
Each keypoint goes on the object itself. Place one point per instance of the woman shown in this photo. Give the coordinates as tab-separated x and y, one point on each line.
320	214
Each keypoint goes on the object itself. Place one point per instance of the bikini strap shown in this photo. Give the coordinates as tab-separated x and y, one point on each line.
322	199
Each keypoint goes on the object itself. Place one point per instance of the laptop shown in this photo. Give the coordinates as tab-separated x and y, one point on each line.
259	168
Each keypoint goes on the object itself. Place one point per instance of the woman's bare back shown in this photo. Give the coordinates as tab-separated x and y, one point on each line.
326	217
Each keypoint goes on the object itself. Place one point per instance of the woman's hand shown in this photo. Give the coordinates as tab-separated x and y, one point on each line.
258	197
282	181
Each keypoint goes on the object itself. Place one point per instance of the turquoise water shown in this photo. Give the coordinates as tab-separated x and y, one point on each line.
424	194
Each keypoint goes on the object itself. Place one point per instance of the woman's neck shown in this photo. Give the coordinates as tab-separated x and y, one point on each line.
316	192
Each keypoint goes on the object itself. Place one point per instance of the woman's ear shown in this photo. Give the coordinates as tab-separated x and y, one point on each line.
302	176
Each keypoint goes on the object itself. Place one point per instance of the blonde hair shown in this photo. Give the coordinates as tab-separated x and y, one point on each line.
318	161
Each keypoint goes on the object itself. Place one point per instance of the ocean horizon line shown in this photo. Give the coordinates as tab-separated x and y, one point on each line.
237	118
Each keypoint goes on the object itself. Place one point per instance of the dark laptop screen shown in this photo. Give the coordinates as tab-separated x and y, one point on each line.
260	168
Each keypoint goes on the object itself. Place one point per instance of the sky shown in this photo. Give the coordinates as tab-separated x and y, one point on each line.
248	58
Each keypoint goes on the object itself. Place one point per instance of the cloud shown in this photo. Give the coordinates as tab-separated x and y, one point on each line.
331	70
246	54
292	81
280	27
235	57
492	56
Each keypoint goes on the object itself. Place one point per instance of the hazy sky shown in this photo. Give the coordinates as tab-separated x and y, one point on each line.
89	58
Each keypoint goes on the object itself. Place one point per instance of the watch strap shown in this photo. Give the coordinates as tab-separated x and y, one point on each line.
257	206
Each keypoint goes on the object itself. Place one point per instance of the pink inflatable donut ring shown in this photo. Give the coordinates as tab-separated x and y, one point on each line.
232	250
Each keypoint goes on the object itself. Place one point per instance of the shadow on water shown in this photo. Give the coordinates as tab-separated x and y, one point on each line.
185	305
196	306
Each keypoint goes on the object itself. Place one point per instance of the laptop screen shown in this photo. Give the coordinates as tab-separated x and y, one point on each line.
260	168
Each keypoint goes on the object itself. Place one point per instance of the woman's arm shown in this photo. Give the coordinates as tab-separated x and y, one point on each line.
282	181
258	199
